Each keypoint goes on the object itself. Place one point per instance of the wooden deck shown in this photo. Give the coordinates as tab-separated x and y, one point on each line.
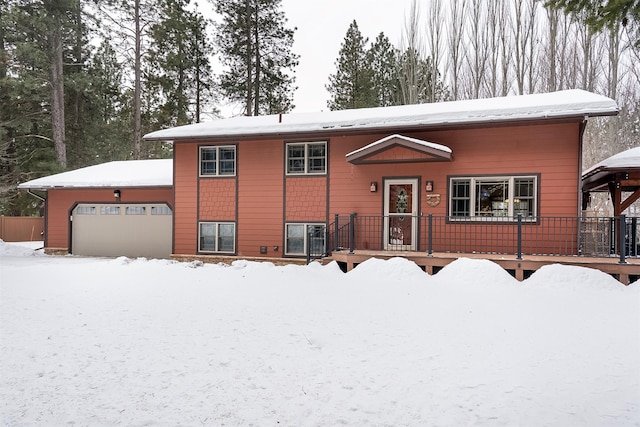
520	269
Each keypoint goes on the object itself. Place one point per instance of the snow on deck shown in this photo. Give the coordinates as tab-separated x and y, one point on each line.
568	103
130	173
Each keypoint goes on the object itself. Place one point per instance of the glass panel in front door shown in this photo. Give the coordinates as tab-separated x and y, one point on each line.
401	215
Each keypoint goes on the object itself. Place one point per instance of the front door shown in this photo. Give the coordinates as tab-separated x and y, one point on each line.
400	214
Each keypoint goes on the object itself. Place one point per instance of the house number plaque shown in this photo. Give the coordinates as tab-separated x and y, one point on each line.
433	200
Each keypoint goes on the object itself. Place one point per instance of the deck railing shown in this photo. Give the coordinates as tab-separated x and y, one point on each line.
517	236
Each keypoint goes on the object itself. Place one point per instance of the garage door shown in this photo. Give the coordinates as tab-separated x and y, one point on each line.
131	230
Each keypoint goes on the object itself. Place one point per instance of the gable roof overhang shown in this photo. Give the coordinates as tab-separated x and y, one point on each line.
411	150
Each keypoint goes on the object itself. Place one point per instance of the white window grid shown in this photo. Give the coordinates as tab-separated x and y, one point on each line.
217	237
311	158
217	160
511	211
297	237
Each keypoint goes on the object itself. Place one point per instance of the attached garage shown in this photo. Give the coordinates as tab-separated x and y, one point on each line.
112	209
131	229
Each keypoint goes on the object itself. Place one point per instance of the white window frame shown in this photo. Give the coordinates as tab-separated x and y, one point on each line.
86	210
217	226
217	149
109	210
307	158
135	210
510	214
305	237
161	210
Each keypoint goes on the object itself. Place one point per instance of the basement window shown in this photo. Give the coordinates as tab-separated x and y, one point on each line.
300	236
217	237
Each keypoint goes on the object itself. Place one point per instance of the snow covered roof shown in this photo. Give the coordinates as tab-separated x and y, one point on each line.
624	160
431	149
563	104
130	173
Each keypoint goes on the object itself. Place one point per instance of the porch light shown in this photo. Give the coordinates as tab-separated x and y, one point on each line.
116	194
429	186
373	187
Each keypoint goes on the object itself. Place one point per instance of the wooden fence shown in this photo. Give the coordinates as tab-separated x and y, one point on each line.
21	228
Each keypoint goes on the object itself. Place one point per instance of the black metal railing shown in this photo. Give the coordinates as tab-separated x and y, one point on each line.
555	236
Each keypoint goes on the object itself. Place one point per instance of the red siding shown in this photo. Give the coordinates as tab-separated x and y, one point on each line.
60	202
267	199
185	182
261	197
217	199
306	199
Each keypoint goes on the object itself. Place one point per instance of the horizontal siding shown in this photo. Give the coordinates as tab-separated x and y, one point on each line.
186	198
266	198
550	150
260	204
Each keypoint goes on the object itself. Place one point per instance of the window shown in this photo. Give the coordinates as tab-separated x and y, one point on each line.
109	210
495	197
135	210
307	158
218	161
86	210
300	236
217	237
160	210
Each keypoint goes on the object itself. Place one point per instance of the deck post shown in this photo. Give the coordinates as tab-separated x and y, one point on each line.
621	234
336	240
430	235
309	237
519	256
634	237
352	232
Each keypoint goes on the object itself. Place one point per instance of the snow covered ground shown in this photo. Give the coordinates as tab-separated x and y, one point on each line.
88	341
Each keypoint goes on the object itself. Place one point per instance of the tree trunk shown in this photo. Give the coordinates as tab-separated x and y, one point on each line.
256	52
137	108
57	97
248	59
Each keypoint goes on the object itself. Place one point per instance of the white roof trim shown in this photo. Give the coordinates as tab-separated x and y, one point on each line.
122	174
562	104
438	152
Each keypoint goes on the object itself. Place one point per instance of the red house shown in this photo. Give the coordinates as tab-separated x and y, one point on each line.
452	177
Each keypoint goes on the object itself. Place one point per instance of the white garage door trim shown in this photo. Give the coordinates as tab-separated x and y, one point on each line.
121	229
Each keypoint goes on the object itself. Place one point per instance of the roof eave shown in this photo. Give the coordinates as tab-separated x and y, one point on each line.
354	130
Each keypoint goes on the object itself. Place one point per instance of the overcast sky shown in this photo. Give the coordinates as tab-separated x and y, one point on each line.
321	28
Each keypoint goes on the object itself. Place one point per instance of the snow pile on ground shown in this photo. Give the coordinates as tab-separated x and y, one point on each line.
147	342
20	248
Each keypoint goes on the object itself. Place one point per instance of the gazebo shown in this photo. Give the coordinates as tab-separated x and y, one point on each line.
617	174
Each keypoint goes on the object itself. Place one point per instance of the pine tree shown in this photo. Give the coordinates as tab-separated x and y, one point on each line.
352	84
384	73
179	69
255	49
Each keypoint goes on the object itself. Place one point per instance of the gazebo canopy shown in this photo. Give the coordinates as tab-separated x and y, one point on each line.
616	174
